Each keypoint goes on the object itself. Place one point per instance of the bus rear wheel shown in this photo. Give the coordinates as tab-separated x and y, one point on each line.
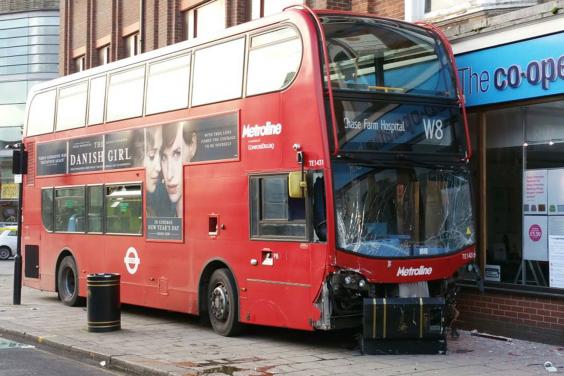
67	282
223	305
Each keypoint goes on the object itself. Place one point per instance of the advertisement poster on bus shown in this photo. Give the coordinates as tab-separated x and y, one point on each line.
167	148
52	158
162	150
124	149
86	154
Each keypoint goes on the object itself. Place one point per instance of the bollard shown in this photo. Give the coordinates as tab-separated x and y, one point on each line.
103	302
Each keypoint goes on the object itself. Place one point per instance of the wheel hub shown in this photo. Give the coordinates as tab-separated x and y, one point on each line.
69	281
219	303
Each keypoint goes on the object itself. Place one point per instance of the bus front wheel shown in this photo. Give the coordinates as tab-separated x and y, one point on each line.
67	282
222	303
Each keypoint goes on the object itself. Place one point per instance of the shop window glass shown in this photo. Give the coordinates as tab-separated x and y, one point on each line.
525	199
504	140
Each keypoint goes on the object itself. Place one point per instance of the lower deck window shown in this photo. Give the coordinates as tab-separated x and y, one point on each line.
273	213
124	208
69	209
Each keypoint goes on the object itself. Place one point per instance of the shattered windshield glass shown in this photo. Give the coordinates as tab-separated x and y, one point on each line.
402	211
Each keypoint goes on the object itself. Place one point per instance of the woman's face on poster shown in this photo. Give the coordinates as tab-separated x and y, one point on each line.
171	161
152	160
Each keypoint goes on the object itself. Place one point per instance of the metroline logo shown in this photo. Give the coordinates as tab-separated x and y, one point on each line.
410	272
269	129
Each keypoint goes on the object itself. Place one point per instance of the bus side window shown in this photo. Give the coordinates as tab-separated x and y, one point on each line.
47	208
319	215
273	213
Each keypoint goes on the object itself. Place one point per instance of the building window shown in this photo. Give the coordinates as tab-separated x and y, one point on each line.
435	5
132	45
205	20
79	64
262	8
104	55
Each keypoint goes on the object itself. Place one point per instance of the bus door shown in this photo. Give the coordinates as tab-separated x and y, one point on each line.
278	282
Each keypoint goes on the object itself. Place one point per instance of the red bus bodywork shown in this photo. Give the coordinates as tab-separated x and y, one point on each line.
172	275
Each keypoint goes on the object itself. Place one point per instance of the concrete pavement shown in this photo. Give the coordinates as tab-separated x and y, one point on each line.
162	343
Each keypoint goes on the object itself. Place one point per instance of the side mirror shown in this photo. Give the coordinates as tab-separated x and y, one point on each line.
296	185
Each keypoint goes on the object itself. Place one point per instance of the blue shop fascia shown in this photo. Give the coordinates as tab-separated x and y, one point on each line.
513	82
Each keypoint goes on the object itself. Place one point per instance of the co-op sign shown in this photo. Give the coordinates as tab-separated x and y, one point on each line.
527	69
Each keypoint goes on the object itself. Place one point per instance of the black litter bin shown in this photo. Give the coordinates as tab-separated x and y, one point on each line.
103	302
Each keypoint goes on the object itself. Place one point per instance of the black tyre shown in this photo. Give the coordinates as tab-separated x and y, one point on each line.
223	304
5	253
67	282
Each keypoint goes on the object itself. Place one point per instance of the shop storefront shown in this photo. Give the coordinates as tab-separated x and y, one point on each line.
515	98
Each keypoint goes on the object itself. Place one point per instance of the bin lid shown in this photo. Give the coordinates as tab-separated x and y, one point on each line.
103	277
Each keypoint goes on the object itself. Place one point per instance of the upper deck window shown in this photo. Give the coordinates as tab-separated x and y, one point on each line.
373	55
218	72
274	60
168	84
41	113
96	101
71	106
125	94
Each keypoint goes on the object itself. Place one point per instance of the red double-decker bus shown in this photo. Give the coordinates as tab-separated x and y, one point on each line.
294	171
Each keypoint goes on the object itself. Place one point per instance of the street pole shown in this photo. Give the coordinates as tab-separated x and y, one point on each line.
17	298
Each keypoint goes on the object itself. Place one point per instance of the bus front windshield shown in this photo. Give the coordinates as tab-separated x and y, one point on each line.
402	211
376	55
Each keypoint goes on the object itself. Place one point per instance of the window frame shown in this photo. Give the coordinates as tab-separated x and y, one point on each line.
109	76
166	58
86	104
143	215
87	206
55	188
241	36
255	209
249	48
52	189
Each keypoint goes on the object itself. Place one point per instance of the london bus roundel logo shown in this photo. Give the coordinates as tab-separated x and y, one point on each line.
131	260
535	233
